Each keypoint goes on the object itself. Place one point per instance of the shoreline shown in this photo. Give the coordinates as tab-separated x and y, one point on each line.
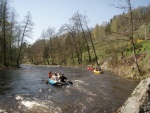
126	72
3	68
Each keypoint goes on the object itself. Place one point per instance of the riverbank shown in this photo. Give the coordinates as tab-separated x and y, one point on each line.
8	68
125	71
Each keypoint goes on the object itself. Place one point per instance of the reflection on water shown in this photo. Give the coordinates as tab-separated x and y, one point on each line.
23	91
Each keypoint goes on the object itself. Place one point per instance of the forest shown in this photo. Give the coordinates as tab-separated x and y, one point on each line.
124	40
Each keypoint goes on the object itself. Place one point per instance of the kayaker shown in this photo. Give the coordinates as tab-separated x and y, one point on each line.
50	74
59	74
96	69
99	69
62	78
56	77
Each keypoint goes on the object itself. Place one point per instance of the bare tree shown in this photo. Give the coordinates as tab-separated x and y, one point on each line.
72	33
50	35
4	18
129	33
11	37
80	19
90	35
26	30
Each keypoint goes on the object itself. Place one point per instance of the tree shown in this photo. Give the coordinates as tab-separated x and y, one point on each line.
129	33
26	30
50	34
72	34
4	18
96	31
90	36
11	37
36	52
80	21
131	38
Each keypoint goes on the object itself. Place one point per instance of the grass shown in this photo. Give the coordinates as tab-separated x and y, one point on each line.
116	49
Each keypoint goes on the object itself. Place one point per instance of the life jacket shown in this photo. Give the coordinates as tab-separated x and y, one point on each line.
49	75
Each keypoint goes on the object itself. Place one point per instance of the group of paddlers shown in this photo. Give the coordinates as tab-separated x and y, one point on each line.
58	77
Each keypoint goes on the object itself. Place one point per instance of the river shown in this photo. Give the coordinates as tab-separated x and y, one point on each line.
23	91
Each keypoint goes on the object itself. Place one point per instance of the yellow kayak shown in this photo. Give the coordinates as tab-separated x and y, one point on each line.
97	72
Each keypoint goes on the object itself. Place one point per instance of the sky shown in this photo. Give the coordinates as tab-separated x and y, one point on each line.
55	13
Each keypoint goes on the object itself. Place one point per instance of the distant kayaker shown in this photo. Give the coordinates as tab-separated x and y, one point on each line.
62	78
99	69
50	74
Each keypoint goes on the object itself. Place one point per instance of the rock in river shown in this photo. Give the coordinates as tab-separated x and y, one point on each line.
139	101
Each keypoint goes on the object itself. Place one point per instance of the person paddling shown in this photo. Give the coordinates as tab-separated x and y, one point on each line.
62	78
50	74
55	78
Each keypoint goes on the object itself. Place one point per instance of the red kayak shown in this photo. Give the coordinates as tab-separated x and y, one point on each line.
90	68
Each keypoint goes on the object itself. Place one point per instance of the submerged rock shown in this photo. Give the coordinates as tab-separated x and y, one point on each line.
139	101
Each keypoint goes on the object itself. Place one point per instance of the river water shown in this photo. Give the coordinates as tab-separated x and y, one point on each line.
23	91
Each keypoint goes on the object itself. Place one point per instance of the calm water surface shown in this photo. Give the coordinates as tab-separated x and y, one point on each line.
22	91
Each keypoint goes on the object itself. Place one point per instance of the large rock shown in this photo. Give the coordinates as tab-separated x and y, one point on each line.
105	66
137	99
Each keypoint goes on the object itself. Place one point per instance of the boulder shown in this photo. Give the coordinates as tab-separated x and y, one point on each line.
105	66
138	99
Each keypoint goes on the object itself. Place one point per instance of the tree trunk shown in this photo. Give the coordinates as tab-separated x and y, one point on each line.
75	48
131	38
92	43
4	33
84	36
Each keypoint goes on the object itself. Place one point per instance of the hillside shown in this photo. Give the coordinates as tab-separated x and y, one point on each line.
118	56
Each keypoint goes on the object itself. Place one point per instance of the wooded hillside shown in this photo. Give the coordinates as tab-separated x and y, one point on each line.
124	40
75	42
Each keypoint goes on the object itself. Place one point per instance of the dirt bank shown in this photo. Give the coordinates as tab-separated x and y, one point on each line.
125	71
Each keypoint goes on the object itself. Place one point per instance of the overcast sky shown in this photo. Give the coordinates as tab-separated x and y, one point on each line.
55	13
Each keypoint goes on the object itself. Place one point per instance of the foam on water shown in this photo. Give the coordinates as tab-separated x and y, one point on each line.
80	88
89	99
2	111
80	110
58	110
92	94
31	104
18	97
79	81
83	107
68	92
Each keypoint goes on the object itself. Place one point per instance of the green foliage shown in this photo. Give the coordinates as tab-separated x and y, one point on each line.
70	47
96	32
11	64
146	46
114	25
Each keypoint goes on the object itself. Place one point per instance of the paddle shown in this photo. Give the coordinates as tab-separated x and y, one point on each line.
46	81
69	82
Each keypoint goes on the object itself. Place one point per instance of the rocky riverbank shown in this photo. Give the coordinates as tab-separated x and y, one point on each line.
139	101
